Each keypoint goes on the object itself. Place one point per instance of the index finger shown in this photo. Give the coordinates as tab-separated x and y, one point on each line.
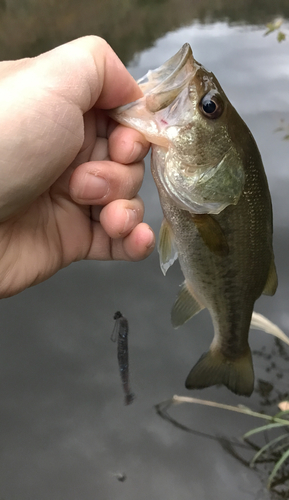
126	145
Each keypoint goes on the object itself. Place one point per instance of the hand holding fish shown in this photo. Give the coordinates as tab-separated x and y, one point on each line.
69	175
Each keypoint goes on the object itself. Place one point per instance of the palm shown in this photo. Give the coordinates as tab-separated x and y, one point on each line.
50	234
53	230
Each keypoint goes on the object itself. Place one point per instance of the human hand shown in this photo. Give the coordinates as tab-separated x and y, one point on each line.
69	177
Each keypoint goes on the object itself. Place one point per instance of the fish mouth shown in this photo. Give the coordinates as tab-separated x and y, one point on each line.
163	89
166	73
170	79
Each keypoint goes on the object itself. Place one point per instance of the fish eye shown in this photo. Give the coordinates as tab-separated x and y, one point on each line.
211	105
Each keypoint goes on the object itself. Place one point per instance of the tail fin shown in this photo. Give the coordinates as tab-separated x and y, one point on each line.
214	368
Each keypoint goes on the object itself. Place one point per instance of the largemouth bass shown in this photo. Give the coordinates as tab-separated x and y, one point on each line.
217	210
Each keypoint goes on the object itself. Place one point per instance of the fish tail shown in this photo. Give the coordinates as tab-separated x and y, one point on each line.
215	368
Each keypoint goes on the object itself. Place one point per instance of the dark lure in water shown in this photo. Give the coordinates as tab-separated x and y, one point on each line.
120	333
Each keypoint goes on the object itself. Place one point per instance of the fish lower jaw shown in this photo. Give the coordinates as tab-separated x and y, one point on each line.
143	121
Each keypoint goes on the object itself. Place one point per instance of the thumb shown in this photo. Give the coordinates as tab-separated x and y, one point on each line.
89	71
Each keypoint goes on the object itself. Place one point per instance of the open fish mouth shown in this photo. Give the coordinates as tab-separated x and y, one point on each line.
165	93
162	85
166	74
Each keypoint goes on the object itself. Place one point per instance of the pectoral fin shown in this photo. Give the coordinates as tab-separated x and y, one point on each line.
167	251
272	280
211	234
185	307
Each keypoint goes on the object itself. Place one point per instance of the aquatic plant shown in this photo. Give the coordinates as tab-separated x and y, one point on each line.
276	450
275	26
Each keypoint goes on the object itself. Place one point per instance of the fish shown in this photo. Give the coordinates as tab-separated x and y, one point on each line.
120	333
217	210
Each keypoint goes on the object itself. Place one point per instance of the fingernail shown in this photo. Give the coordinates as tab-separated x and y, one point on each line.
130	220
137	152
151	241
94	187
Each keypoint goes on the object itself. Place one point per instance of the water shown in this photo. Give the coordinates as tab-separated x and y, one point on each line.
64	431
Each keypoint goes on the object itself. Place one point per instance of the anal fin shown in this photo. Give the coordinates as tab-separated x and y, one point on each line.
185	307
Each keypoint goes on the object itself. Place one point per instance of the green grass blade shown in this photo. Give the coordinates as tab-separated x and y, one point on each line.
263	428
266	447
277	467
281	447
176	400
281	413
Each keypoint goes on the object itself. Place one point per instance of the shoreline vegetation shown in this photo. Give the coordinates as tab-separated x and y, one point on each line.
29	27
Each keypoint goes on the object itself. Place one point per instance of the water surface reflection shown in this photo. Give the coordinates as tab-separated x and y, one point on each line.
28	27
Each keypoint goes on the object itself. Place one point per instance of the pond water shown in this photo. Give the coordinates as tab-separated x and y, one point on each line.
65	433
